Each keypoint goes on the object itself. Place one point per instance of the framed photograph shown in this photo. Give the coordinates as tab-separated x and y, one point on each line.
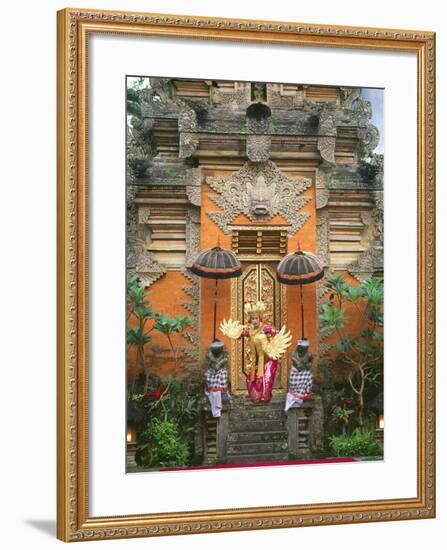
245	274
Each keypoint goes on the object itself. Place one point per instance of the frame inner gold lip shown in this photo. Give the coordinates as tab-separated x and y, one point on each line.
74	25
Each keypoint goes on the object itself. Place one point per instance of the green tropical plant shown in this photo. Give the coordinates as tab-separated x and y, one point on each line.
362	349
138	307
359	443
343	412
177	401
134	86
160	445
172	325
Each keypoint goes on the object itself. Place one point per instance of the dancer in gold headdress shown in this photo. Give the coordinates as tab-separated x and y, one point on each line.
266	346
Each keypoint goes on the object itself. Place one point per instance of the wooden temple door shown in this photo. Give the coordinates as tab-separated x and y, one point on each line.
257	283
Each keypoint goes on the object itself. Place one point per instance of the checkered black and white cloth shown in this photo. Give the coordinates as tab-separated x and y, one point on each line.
300	388
216	380
300	382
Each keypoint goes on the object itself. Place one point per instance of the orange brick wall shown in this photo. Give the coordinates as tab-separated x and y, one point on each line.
166	296
353	325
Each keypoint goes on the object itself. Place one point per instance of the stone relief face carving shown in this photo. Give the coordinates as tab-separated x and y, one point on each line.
260	197
260	191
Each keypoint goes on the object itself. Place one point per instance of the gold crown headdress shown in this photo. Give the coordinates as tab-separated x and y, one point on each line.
255	309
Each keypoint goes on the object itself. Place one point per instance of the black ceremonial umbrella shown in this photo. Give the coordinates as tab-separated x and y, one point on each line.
300	268
216	263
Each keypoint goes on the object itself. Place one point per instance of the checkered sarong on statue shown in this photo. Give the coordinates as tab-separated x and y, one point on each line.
216	380
300	382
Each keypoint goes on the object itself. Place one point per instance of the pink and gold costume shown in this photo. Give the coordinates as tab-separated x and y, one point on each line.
266	347
262	370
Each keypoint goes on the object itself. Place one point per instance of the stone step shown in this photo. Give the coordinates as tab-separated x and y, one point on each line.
263	447
238	404
256	458
258	414
261	425
254	437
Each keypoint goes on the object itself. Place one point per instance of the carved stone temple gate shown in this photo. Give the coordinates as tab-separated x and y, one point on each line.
260	168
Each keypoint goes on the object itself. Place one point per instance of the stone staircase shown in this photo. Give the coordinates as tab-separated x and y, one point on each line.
256	432
249	433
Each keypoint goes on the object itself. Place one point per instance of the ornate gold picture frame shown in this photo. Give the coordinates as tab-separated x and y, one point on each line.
75	521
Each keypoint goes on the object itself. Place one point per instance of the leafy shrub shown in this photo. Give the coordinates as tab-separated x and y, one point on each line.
359	351
359	443
160	445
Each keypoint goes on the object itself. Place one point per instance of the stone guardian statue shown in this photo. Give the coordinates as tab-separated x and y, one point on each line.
216	376
300	378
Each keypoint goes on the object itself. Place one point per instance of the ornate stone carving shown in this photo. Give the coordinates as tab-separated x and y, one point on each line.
259	91
276	97
164	90
193	187
260	191
348	96
192	306
144	214
139	144
325	332
258	147
326	146
189	142
323	237
192	236
258	126
377	218
239	96
376	162
132	211
368	140
368	262
321	189
147	268
194	195
327	132
327	124
322	290
187	121
361	109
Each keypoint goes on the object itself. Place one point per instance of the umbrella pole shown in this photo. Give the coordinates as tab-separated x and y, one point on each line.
215	309
302	313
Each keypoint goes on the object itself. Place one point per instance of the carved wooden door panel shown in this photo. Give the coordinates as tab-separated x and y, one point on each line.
257	283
